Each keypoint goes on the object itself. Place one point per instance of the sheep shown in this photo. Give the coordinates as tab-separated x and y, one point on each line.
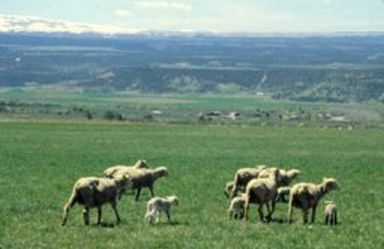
94	192
236	207
307	195
146	178
156	205
121	169
243	176
111	171
261	191
282	193
330	213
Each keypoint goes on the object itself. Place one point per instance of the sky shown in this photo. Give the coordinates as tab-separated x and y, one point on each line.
288	16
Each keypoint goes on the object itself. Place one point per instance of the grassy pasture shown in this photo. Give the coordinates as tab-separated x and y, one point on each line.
39	162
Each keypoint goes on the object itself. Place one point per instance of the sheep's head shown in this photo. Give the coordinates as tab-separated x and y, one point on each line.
141	164
173	199
293	173
228	188
161	171
288	176
123	180
330	184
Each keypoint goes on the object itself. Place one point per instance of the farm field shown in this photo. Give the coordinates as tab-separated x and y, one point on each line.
40	161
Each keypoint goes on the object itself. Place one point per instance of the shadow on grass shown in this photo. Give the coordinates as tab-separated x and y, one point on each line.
173	223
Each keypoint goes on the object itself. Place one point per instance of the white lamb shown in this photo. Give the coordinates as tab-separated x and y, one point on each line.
156	205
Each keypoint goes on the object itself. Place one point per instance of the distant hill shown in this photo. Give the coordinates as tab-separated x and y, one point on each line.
308	68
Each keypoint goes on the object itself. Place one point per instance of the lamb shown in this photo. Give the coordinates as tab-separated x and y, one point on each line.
307	195
156	205
282	193
146	178
330	213
261	191
236	207
95	192
243	176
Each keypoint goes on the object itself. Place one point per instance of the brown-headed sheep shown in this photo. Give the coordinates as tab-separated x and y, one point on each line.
236	207
146	178
262	191
156	205
243	176
307	195
95	192
330	213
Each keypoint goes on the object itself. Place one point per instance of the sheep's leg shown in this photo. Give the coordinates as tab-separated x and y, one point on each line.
138	194
270	211
305	216
290	209
261	214
113	204
168	216
151	190
99	211
326	219
86	215
246	208
68	206
335	219
313	214
121	192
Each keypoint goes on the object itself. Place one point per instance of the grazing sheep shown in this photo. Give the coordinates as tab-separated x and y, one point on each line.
94	192
156	205
307	195
146	178
243	176
282	194
236	207
330	213
261	191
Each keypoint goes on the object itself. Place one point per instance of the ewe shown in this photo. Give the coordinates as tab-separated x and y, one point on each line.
236	207
95	192
146	178
307	195
330	213
261	191
111	171
243	176
156	205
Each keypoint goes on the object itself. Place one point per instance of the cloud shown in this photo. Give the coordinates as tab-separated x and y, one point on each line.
16	23
163	5
121	12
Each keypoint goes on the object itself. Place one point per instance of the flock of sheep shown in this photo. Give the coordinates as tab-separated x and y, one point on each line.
264	185
94	192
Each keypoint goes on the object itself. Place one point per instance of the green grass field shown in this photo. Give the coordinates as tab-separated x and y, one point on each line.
40	161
